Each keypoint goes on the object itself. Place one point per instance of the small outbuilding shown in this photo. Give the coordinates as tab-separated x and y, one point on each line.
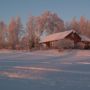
86	41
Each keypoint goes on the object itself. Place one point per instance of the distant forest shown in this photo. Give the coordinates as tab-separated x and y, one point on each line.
16	36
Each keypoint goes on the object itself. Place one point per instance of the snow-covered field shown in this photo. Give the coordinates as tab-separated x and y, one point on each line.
45	70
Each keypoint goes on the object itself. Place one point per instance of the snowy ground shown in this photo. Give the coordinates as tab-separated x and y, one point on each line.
45	70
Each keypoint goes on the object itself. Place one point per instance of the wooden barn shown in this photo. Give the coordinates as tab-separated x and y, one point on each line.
70	34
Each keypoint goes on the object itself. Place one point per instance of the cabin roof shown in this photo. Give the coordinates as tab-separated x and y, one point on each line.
84	38
62	35
56	36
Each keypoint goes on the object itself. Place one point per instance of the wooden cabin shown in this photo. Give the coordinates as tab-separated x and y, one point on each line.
71	34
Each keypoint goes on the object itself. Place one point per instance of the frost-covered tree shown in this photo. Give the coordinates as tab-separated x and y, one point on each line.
75	25
51	23
48	22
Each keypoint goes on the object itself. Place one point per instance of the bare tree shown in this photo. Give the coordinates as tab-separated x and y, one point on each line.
12	34
30	27
75	25
18	31
2	34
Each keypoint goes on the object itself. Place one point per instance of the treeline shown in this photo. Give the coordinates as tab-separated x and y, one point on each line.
16	36
82	26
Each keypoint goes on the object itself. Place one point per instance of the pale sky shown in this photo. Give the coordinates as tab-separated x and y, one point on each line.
66	9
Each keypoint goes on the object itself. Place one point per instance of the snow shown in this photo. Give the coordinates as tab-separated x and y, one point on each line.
45	70
83	53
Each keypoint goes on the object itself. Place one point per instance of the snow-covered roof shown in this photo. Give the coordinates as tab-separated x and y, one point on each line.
56	36
84	38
